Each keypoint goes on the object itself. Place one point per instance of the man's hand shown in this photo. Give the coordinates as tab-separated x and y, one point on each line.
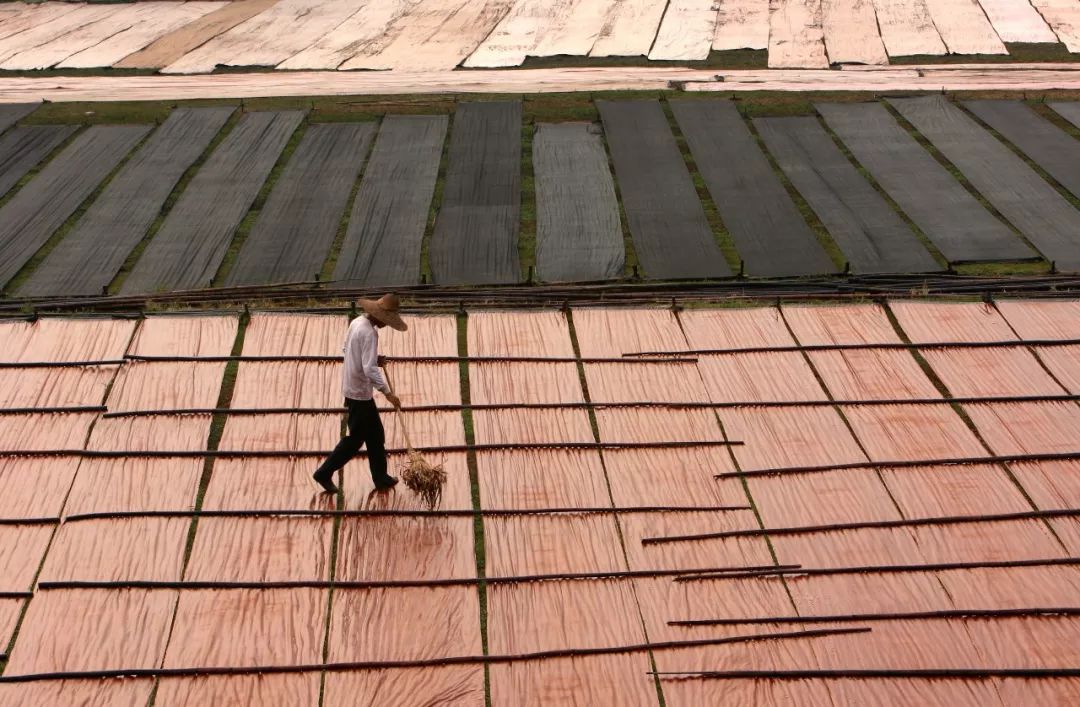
393	400
380	361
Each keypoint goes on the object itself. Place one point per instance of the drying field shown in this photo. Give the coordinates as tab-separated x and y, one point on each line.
860	502
780	498
478	193
441	35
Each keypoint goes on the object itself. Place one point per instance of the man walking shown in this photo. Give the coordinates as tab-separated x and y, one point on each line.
361	376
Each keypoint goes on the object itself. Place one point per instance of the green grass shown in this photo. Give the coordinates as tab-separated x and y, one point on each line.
1040	52
1019	53
727	59
1032	267
738	59
527	228
106	113
322	109
76	73
243	69
537	106
559	108
768	104
774	107
732	59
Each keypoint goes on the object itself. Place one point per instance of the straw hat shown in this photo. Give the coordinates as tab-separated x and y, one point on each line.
385	309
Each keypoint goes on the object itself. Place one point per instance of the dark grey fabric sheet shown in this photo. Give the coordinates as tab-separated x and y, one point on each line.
939	205
671	235
578	236
1047	145
1069	110
386	228
188	250
11	113
42	206
89	257
770	234
1042	214
873	237
22	148
294	232
476	231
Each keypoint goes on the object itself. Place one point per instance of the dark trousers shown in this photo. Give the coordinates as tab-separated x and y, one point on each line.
365	427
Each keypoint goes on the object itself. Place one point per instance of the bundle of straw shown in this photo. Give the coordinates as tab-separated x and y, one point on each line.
420	476
424	479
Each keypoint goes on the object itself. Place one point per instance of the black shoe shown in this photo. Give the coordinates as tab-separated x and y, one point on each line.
327	483
385	484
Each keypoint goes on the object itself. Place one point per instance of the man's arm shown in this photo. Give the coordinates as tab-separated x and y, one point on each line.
369	361
369	358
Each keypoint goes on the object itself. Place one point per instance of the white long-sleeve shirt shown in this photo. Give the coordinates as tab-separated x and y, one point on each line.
362	372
